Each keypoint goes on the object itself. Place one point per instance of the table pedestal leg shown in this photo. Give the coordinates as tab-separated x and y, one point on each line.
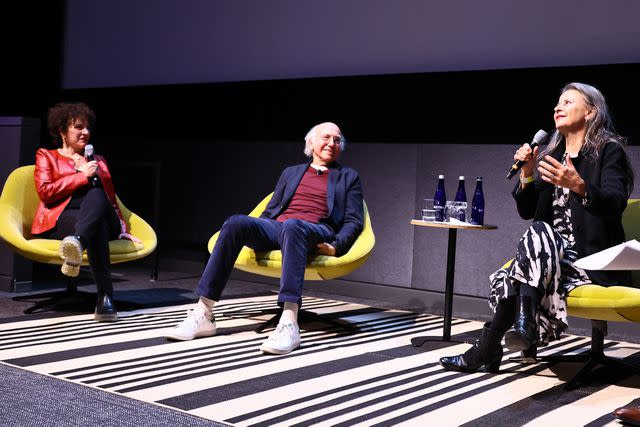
448	293
448	290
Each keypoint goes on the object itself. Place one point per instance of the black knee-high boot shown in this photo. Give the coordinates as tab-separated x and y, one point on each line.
524	335
487	350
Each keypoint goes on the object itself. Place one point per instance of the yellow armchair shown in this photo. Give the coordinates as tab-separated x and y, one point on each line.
18	204
319	267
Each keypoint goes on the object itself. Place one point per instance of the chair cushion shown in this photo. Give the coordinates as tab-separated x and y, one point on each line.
615	303
276	256
115	246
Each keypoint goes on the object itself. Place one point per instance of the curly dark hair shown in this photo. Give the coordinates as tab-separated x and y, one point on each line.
63	114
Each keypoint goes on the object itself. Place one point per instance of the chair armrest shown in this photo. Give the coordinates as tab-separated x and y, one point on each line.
139	228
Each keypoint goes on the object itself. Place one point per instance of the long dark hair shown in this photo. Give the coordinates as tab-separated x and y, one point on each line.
600	129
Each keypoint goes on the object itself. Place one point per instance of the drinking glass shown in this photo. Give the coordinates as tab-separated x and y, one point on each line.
428	212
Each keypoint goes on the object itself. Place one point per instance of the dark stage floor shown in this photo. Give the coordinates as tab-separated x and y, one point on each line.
134	289
177	281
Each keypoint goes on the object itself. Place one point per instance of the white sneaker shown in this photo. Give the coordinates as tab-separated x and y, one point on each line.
71	252
196	325
283	340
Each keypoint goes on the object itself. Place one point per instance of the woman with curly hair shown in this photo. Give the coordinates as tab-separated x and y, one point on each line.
78	201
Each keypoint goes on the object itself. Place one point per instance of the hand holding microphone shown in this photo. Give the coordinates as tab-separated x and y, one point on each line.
91	166
537	139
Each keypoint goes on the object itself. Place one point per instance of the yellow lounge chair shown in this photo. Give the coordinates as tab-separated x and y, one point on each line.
18	205
319	267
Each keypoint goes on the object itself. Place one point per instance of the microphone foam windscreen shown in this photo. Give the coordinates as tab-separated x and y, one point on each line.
538	137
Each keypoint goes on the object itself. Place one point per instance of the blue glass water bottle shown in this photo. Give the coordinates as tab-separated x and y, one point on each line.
440	199
477	204
461	196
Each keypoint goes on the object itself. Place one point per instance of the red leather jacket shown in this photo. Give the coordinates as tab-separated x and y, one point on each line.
56	180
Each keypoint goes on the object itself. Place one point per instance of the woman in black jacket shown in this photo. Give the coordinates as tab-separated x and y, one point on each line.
576	200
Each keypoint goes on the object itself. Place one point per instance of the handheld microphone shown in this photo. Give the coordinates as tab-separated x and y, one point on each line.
537	139
88	154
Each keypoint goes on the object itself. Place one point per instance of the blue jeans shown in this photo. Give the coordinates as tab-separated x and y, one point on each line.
295	238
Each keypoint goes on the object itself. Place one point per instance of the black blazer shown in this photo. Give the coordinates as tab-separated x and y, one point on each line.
596	225
344	202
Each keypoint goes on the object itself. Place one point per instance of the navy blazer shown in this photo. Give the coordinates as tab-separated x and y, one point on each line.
344	202
598	225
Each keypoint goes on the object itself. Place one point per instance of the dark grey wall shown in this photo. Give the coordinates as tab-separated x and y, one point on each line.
18	140
402	248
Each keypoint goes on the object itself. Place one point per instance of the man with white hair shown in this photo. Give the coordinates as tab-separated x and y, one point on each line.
316	207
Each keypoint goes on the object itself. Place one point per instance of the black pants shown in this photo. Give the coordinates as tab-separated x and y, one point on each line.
93	219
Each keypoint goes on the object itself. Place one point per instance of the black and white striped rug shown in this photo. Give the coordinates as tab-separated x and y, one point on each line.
367	376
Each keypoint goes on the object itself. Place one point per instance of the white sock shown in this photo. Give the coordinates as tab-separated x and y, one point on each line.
207	304
290	314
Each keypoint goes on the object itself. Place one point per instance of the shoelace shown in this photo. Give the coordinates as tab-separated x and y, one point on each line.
191	320
279	333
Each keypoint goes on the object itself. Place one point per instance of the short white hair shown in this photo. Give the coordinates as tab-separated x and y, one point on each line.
308	140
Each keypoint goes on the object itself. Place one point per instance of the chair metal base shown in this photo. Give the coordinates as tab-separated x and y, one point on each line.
591	359
70	299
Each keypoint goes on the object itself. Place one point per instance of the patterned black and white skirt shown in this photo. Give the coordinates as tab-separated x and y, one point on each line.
543	260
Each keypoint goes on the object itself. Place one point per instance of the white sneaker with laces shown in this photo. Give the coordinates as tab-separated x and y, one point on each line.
283	340
196	325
